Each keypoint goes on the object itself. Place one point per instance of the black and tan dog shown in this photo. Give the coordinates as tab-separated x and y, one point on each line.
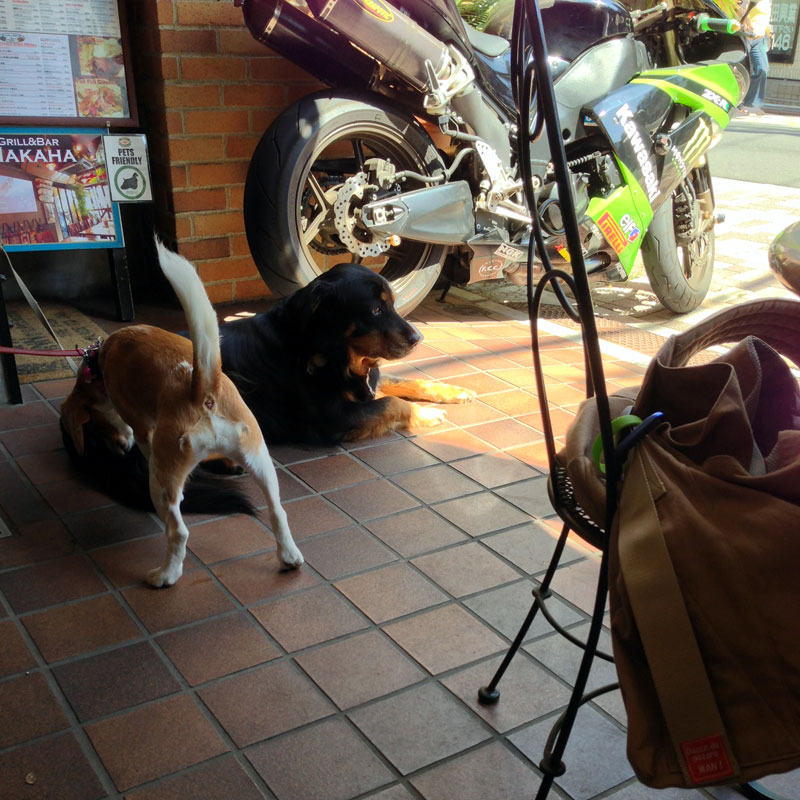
308	369
169	395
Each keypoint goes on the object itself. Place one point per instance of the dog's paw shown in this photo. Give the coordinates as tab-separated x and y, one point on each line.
427	416
290	557
462	395
160	577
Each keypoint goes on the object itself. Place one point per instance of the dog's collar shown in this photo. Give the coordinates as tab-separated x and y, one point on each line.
91	361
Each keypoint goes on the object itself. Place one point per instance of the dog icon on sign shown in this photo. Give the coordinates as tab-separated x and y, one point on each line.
131	183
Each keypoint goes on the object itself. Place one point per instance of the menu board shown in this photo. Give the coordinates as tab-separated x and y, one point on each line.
64	62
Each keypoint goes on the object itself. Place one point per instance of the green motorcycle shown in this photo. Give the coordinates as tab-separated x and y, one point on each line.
407	164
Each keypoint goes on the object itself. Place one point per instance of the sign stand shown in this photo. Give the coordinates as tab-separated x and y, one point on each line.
10	375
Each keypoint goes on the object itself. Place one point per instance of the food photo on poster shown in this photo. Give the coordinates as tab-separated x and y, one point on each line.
54	191
63	63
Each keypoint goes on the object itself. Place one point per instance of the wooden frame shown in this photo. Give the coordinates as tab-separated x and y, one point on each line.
126	82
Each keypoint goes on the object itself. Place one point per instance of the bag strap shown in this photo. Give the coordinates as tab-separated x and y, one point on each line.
774	320
673	656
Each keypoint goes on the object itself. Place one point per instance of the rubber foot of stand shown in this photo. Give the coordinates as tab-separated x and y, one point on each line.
488	697
552	767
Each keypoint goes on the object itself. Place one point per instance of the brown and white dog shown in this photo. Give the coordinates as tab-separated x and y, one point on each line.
169	396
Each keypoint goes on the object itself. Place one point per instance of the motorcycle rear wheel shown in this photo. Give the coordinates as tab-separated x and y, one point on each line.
679	271
295	176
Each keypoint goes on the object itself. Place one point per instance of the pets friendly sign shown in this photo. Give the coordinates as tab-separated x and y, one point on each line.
128	168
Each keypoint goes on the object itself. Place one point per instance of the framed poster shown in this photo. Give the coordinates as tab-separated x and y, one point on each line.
783	24
54	191
65	63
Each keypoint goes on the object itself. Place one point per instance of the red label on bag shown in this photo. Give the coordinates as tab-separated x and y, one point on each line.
707	759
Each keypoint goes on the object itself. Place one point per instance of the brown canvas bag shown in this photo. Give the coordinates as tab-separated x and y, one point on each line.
704	566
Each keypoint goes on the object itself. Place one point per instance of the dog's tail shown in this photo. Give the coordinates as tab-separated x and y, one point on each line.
201	317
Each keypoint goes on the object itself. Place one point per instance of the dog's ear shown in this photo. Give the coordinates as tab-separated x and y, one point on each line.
309	308
75	414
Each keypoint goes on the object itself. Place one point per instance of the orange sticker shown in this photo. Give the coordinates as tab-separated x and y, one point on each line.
612	231
377	9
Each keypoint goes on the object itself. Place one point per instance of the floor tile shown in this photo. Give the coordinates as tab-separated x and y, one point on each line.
396	792
577	583
308	618
481	513
472	413
408	727
109	525
595	755
342	552
128	563
311	515
142	745
360	668
370	500
260	577
23	505
27	415
465	569
327	761
397	456
444	638
284	696
115	680
29	710
68	496
506	607
417	531
228	537
41	439
495	469
15	656
530	496
490	772
332	472
51	582
221	777
217	647
80	627
47	467
390	592
453	444
505	433
34	542
433	484
527	691
531	547
194	597
58	768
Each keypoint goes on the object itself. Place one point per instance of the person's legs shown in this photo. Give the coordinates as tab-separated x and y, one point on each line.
759	69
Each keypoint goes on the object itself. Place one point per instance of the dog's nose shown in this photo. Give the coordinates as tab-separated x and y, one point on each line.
413	336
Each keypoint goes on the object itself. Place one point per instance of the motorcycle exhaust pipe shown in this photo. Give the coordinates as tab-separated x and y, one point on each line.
388	35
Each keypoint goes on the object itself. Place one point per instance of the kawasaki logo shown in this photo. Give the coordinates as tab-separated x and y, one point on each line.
376	9
624	117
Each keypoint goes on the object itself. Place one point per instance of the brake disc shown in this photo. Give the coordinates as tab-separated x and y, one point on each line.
346	219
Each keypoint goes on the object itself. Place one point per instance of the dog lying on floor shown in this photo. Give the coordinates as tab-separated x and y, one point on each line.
169	395
308	369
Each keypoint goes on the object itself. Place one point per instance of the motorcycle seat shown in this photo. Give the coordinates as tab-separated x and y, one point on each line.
486	43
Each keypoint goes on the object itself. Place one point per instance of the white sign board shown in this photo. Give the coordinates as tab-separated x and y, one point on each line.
128	168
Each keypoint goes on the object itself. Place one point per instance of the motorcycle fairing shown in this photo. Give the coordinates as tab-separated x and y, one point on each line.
711	88
622	217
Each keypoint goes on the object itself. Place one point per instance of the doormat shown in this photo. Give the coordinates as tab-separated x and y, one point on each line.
73	328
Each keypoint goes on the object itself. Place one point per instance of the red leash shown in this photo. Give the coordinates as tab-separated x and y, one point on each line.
19	351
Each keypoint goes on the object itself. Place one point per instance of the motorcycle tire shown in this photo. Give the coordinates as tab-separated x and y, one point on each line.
680	275
298	170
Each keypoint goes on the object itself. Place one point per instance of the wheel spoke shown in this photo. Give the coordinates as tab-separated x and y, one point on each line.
358	152
317	191
313	227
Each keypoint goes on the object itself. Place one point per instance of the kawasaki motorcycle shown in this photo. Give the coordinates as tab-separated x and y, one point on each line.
407	163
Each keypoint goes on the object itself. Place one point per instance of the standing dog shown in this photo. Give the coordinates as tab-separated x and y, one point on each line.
170	396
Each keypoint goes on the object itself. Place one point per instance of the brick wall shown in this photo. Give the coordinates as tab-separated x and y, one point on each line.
207	91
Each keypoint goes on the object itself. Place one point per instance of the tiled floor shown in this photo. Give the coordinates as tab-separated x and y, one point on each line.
355	676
